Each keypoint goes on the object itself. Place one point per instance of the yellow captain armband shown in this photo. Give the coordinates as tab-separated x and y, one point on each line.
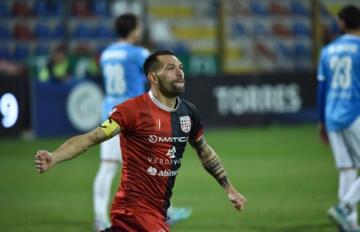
110	127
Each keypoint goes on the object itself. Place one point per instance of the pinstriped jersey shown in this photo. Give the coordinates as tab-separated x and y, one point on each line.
153	139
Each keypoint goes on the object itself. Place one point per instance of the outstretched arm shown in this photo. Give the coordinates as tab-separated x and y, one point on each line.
73	147
212	163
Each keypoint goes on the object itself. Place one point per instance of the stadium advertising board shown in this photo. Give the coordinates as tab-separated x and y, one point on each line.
14	105
61	109
254	100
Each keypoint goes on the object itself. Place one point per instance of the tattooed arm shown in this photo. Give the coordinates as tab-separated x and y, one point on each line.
212	163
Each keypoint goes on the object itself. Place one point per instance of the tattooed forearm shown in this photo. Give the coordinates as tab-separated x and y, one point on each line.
211	162
198	145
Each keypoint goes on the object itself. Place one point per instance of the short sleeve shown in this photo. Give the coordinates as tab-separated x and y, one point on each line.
124	115
197	128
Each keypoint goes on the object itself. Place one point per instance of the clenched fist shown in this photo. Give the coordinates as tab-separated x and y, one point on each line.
43	161
236	198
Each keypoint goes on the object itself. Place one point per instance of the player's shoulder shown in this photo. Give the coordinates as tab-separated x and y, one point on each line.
337	40
110	47
343	40
188	105
133	103
324	49
139	50
113	51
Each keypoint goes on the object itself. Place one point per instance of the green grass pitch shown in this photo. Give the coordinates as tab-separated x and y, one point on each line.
287	176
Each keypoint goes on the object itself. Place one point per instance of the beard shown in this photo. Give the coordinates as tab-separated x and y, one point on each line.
172	89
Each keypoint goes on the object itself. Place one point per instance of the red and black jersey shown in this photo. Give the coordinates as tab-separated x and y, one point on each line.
153	138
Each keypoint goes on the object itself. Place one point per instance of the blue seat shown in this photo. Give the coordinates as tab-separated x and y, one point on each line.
301	29
284	50
58	31
258	9
100	8
298	8
102	31
41	8
42	31
57	7
5	32
82	31
302	50
238	29
4	9
21	52
49	8
5	53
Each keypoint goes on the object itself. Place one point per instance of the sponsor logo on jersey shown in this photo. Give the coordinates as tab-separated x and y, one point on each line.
185	124
171	153
167	173
156	160
155	139
154	172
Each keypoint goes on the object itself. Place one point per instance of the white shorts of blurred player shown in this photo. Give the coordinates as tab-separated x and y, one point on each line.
345	145
110	150
110	154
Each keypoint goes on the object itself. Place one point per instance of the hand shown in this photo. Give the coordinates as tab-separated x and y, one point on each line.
236	198
323	134
43	161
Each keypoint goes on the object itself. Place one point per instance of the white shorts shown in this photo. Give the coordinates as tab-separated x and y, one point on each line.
110	149
345	145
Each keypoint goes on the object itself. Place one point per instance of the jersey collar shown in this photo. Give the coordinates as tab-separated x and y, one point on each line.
162	106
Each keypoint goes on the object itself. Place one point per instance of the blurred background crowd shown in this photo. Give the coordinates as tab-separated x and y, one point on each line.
212	36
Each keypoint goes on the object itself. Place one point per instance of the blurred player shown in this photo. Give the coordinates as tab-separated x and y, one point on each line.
154	129
124	78
339	110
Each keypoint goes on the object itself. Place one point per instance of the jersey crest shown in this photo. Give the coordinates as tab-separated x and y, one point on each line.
185	123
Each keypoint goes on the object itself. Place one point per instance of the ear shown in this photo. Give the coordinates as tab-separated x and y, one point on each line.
152	77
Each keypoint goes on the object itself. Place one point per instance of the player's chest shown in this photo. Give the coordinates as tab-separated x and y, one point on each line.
165	127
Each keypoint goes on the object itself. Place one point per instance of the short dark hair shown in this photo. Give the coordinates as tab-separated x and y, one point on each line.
152	62
350	14
125	24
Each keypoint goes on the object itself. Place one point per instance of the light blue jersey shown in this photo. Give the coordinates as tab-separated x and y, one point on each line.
122	69
339	73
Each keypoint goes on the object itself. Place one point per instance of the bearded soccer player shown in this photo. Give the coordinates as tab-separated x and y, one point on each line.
124	78
154	129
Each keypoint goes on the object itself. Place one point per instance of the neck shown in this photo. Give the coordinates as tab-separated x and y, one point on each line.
166	101
354	32
128	39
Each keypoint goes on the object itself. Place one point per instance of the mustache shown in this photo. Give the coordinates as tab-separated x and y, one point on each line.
181	79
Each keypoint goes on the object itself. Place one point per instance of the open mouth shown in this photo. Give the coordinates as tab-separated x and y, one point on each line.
180	81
